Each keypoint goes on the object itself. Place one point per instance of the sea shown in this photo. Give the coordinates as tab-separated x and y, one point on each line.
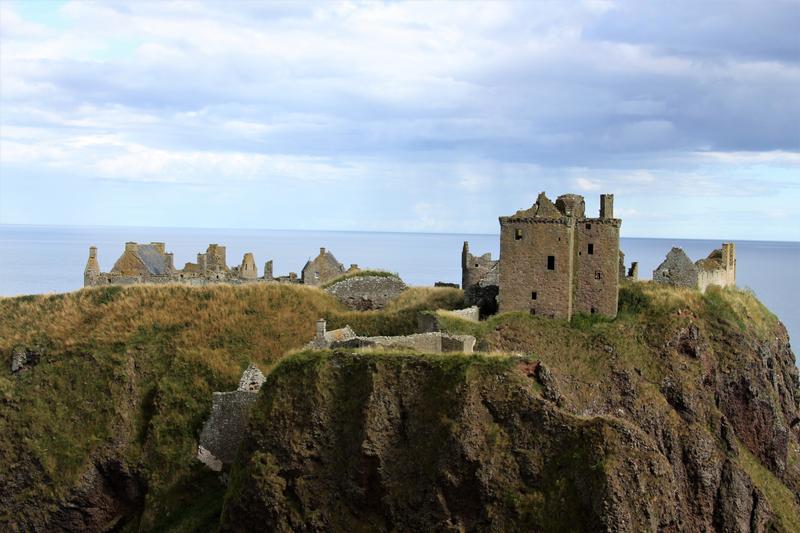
50	259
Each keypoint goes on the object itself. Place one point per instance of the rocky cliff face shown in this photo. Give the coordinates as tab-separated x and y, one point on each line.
679	415
675	417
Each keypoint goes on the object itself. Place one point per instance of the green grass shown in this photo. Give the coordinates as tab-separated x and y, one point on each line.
134	368
781	499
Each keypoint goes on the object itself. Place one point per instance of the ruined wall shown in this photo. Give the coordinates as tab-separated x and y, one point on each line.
719	268
677	269
362	293
433	342
597	271
526	282
474	268
322	269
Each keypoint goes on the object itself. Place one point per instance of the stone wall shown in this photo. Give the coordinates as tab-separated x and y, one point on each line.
322	269
230	411
676	269
597	269
434	342
362	293
526	282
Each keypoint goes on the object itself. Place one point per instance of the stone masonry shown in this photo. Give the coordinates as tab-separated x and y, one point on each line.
151	263
322	269
555	261
362	293
230	411
719	268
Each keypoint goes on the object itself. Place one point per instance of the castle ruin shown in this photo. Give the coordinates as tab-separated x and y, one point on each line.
719	268
554	261
151	263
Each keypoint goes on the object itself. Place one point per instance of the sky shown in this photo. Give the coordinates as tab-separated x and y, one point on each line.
395	116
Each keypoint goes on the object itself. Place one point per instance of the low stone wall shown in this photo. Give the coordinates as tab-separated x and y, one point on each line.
362	293
420	342
428	321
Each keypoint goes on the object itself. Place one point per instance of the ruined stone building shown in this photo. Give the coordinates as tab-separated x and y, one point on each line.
151	263
322	269
719	268
554	261
480	279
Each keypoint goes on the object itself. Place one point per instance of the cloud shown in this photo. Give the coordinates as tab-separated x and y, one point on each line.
406	103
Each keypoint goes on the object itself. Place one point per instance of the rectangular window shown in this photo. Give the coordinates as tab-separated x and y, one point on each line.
598	275
518	234
551	262
534	295
591	249
588	226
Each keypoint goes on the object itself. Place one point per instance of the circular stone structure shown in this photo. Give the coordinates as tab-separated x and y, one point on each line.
362	293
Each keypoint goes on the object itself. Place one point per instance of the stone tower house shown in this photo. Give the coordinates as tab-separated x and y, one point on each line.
555	262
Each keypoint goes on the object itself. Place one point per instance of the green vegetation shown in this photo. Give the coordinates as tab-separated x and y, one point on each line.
128	372
400	316
131	370
781	499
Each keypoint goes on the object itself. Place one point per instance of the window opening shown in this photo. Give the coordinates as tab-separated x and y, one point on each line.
591	249
551	262
534	295
588	226
518	234
598	275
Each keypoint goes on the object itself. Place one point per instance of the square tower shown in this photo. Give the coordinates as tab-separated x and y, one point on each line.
555	262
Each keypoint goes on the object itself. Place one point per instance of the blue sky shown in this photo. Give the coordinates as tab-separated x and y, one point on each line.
395	116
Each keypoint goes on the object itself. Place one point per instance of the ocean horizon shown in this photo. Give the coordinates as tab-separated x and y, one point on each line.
41	259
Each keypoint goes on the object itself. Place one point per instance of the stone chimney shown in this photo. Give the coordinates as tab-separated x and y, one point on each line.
92	270
322	250
131	247
160	246
606	206
268	270
248	268
633	272
170	261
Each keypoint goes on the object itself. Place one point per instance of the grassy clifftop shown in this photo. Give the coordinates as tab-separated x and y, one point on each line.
690	391
127	374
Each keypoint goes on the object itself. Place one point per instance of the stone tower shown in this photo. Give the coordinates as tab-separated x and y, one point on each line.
555	262
248	268
92	271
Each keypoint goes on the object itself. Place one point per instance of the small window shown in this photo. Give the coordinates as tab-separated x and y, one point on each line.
518	234
534	295
590	251
316	275
598	275
533	311
551	262
476	265
588	226
593	310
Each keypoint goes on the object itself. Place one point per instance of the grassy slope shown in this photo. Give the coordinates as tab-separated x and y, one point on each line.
135	368
142	362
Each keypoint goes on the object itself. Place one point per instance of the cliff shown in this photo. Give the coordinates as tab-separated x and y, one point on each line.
675	416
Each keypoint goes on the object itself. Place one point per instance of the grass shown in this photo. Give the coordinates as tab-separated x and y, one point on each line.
781	499
134	367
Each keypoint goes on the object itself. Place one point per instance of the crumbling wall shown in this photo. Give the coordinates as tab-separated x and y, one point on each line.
676	269
435	342
226	424
363	293
322	269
